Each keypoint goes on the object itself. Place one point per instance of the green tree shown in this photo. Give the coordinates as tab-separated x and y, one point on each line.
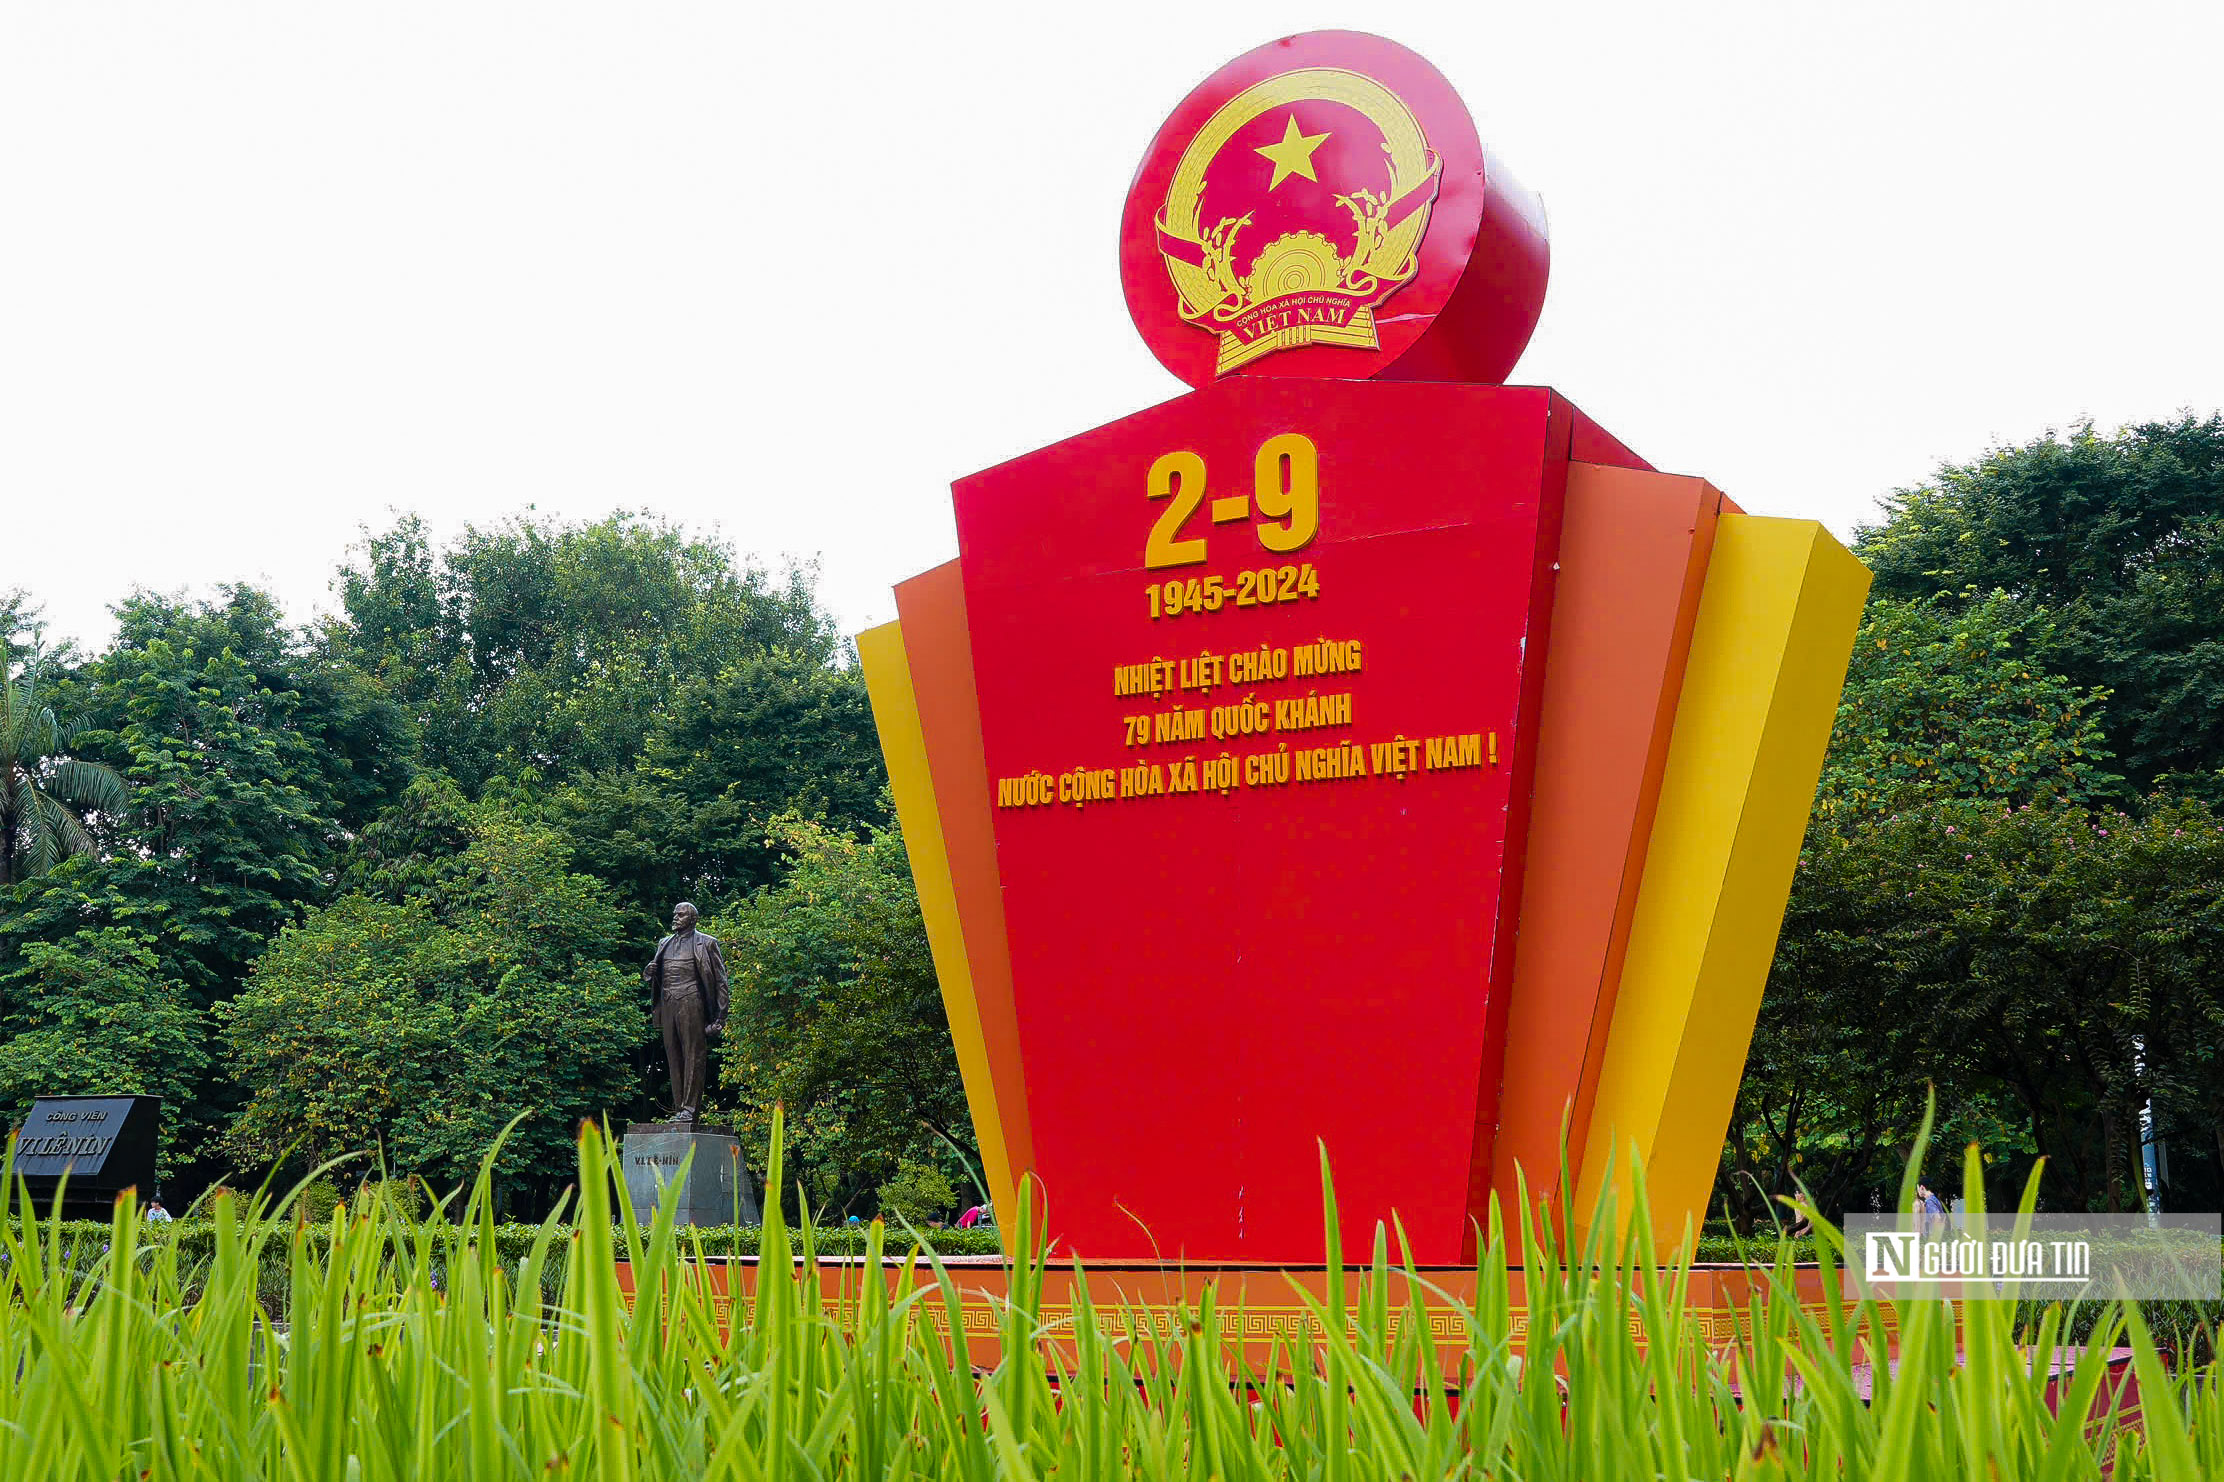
417	1014
93	1014
770	734
1968	910
1950	700
23	628
2187	1076
223	841
356	745
552	648
228	833
838	1016
625	695
239	792
918	1193
2045	966
415	849
1946	704
42	788
659	699
2119	542
641	836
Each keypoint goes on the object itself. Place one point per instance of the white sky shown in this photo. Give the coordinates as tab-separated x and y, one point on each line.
268	272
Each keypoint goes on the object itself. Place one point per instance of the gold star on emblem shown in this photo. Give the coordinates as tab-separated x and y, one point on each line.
1293	154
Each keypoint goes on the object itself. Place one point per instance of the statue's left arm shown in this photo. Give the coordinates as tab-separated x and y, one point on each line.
715	984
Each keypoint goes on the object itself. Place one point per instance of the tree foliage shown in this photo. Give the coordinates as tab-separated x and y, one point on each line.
350	744
1983	903
243	756
919	1193
1952	701
665	699
837	1015
2119	541
42	788
246	758
2045	967
1943	705
418	1013
93	1015
623	708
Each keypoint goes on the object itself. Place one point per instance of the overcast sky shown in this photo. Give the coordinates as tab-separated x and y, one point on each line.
271	272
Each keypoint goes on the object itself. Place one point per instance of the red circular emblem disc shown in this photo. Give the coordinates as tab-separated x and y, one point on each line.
1322	206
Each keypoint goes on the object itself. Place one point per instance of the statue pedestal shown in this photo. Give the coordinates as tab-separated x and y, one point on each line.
716	1189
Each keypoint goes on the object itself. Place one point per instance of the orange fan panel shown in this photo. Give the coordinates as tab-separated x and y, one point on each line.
931	607
1633	557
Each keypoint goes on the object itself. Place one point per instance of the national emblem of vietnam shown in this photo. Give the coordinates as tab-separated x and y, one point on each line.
1295	211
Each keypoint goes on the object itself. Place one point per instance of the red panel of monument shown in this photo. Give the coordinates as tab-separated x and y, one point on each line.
1258	672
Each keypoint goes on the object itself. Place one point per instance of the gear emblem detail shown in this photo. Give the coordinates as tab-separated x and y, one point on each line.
1295	212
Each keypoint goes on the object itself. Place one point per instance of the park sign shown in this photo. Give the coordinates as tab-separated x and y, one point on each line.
1355	753
99	1145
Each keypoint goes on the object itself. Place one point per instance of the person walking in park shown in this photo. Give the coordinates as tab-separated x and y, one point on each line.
1930	1213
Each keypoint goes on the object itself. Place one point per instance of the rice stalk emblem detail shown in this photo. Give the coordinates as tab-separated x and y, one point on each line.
1296	211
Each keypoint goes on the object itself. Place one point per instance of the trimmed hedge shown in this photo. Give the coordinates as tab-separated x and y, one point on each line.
83	1243
195	1238
2181	1325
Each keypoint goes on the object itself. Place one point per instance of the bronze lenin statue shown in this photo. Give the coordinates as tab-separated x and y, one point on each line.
688	999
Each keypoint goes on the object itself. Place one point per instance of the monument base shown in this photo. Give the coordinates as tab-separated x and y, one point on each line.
716	1189
1267	1309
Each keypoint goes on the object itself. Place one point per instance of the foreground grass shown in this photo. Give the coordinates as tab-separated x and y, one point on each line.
413	1349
